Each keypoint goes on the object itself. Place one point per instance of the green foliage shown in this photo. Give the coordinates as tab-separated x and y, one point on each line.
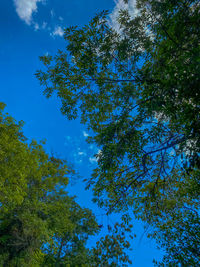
179	236
35	208
111	249
138	90
40	225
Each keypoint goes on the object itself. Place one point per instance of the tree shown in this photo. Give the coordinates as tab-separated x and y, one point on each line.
40	225
138	90
36	211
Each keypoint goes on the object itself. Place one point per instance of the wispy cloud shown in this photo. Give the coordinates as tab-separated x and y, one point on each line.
82	153
96	158
25	9
52	12
79	152
92	160
44	25
36	26
58	31
85	134
79	156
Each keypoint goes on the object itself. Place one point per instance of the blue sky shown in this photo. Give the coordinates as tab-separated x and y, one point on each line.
29	29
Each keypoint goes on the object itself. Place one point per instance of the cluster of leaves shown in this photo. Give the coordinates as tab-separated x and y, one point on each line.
40	225
138	90
111	250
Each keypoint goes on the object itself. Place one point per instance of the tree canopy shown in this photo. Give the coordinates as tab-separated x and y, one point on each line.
137	89
40	224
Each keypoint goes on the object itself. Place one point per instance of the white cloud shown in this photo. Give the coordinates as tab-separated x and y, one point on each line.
81	153
25	9
96	157
52	12
121	5
85	134
36	26
58	31
79	156
92	159
133	11
132	8
44	25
